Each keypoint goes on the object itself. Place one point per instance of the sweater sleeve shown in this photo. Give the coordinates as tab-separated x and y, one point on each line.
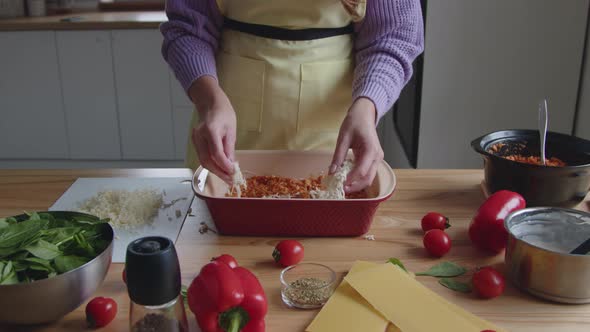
191	37
387	41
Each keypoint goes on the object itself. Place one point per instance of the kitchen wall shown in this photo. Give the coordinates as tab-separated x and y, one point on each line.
488	63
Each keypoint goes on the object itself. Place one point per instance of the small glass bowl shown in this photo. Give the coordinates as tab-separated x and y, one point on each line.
307	285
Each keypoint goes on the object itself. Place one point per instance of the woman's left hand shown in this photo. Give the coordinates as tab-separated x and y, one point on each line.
358	133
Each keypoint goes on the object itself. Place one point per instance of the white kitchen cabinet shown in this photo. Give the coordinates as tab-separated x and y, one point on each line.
487	65
181	115
143	95
182	120
86	66
32	121
179	96
392	149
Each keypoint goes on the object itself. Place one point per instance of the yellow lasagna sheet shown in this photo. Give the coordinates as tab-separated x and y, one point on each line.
409	305
348	311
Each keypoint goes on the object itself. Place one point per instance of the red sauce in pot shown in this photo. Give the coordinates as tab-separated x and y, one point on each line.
533	160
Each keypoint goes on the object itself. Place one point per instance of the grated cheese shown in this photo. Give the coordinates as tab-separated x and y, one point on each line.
334	184
238	180
126	209
285	196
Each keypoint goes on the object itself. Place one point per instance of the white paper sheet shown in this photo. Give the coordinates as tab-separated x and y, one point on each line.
176	194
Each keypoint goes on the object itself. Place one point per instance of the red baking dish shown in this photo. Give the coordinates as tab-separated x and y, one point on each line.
290	217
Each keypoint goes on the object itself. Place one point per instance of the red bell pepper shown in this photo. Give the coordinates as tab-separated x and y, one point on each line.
486	230
227	298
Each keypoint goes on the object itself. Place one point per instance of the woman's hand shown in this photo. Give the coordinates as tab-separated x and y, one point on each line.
215	135
358	133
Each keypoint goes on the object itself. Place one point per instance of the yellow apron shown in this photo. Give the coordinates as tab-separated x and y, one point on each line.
287	95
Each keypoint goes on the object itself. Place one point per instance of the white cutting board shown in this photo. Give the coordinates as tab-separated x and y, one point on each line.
176	192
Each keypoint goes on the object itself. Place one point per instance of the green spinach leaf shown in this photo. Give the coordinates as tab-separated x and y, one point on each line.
7	273
15	234
33	216
68	263
44	250
38	264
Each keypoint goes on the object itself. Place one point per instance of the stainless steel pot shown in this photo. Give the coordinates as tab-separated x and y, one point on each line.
537	256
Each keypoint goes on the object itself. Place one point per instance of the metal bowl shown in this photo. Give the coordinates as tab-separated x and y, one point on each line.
538	258
50	299
539	185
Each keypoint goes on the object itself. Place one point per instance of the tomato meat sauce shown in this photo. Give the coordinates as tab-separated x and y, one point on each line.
270	186
532	160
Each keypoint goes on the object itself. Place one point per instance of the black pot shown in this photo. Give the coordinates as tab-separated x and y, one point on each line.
539	185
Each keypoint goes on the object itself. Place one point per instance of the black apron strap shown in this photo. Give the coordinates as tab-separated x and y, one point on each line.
267	31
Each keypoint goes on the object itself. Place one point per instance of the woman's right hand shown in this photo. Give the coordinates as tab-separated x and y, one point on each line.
215	135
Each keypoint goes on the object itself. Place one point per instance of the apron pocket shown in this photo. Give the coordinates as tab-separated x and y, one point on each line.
242	80
325	95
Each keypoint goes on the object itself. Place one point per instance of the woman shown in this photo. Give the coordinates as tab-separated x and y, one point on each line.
291	74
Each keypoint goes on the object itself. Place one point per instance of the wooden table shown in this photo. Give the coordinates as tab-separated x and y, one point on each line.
455	193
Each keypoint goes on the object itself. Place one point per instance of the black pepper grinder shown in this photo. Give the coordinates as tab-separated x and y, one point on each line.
153	284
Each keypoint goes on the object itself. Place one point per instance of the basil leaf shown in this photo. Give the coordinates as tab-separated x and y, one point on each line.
455	285
396	261
67	263
44	250
444	269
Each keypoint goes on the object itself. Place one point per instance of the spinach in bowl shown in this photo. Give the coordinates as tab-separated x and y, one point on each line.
42	245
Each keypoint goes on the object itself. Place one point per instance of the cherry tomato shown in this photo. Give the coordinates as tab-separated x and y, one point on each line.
434	220
100	311
227	259
437	242
288	252
488	282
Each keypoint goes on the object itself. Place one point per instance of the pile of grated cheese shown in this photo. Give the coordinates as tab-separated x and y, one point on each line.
333	185
126	209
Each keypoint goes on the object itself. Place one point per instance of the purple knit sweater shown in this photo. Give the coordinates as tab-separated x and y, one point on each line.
387	41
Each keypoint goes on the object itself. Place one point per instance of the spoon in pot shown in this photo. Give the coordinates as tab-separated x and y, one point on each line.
543	127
